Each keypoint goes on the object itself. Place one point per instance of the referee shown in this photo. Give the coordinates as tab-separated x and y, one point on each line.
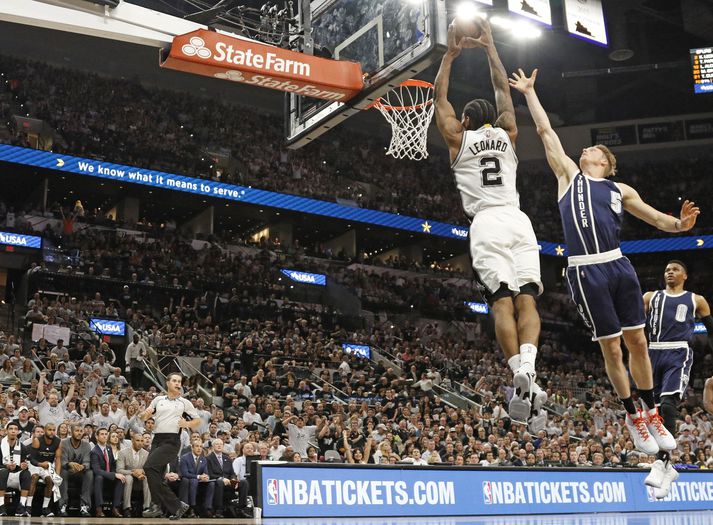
168	411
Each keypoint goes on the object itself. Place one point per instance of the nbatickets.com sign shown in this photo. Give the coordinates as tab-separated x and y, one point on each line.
249	62
552	492
358	493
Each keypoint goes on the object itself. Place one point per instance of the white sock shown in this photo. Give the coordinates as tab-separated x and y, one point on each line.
528	353
23	500
514	363
646	408
45	503
29	501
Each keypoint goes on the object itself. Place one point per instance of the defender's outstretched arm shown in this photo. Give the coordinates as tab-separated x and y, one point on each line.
563	167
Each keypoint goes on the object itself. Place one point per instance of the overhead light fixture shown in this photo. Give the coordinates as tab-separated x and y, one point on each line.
467	10
525	31
519	29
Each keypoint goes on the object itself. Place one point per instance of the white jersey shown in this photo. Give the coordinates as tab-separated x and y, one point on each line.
486	170
168	411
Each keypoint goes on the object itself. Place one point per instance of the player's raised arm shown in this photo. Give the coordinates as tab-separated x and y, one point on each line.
499	78
446	119
563	167
634	204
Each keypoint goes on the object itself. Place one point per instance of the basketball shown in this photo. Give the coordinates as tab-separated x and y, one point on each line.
468	27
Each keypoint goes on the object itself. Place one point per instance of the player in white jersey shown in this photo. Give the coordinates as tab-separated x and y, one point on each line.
503	246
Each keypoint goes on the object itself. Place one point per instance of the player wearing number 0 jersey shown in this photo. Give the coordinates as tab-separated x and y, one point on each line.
602	282
670	322
503	246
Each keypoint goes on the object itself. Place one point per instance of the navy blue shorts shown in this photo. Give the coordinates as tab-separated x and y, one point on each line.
672	370
608	297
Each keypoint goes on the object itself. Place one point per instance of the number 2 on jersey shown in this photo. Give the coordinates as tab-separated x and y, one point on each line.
491	172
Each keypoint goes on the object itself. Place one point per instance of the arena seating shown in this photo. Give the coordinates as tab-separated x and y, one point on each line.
218	309
124	121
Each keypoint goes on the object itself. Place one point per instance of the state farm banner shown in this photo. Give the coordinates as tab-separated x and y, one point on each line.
538	10
212	54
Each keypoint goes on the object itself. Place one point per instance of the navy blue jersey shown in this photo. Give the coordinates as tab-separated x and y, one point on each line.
671	317
591	212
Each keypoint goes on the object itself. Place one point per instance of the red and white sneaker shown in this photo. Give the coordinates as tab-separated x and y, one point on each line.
655	426
643	440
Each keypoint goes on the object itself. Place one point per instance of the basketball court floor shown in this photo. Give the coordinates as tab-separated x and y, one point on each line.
658	518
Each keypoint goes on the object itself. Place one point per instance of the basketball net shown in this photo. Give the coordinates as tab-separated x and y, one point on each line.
409	110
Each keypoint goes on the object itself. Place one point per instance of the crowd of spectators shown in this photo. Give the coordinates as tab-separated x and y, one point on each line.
270	377
123	121
283	389
280	384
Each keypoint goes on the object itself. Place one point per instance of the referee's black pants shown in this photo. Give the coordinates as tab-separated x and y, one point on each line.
164	450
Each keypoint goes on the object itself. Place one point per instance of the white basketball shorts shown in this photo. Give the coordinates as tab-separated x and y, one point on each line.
504	249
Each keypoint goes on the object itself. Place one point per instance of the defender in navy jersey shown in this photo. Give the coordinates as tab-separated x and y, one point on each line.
503	246
670	321
602	282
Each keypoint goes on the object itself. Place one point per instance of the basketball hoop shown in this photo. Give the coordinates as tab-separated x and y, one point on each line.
409	110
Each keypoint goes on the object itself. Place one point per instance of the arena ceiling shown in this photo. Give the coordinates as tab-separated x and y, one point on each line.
578	81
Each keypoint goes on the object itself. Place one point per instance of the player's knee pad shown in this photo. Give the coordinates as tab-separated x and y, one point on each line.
669	412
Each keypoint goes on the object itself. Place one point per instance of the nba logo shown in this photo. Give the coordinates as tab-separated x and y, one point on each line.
650	494
272	496
487	493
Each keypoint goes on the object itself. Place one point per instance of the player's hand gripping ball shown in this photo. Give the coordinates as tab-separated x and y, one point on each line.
468	27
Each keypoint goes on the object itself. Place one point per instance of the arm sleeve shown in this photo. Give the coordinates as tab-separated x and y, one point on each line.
190	409
65	454
183	465
86	453
708	323
121	464
154	402
94	462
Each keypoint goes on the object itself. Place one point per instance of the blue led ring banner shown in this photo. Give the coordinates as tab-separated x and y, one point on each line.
22	241
477	308
305	277
330	491
357	350
107	326
208	188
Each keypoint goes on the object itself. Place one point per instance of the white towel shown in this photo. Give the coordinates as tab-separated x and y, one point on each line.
16	452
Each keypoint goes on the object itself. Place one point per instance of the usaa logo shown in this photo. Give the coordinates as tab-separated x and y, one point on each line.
459	232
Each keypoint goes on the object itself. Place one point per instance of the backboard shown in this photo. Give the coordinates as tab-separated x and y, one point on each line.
393	40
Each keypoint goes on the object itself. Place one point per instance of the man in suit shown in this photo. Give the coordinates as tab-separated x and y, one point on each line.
104	467
220	468
194	474
130	463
